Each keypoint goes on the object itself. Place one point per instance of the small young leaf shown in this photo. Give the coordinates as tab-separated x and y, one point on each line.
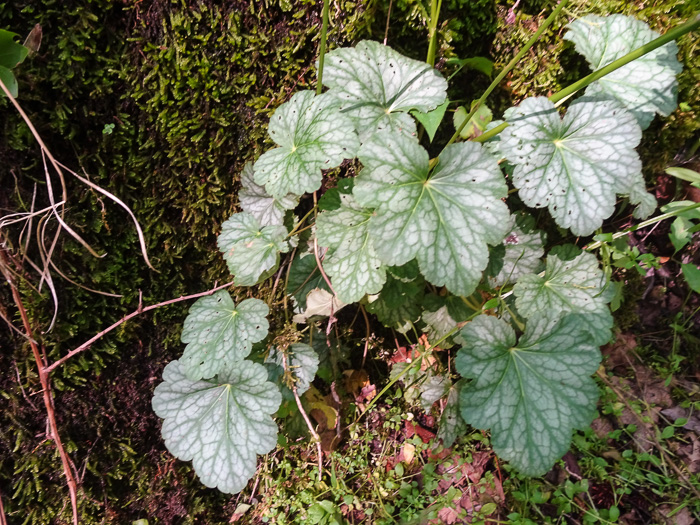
575	166
451	424
255	200
692	276
304	276
8	78
11	53
432	119
220	334
444	219
476	125
377	86
250	250
479	63
302	362
439	324
680	234
353	265
523	250
397	306
645	86
313	136
221	425
330	200
573	286
433	389
532	395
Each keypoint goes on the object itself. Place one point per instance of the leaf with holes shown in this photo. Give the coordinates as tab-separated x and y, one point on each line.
219	334
531	394
444	219
568	286
645	86
249	249
253	199
313	136
220	425
577	165
353	265
376	87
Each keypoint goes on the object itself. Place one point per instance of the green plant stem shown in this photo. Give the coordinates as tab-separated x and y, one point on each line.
644	224
509	67
322	47
673	34
435	6
295	229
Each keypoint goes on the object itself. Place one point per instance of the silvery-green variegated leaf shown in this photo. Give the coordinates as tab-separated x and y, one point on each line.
523	251
397	305
575	166
433	389
531	393
645	86
444	219
302	362
451	424
304	277
220	424
376	87
439	324
219	334
255	200
249	249
353	265
312	136
573	286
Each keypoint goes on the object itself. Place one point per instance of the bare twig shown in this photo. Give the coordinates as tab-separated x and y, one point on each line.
3	518
142	309
45	385
367	335
312	430
320	267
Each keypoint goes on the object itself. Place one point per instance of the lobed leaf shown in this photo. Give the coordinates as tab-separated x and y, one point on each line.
445	219
253	199
532	395
220	425
397	305
302	362
523	249
219	334
313	136
249	249
645	86
577	165
568	286
376	87
353	265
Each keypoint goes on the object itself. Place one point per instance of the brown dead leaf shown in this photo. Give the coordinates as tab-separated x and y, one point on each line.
411	428
321	409
448	516
690	454
620	354
667	515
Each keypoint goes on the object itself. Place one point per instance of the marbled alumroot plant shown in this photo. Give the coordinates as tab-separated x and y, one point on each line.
530	323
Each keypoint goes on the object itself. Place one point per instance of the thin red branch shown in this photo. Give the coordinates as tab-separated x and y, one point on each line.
45	381
140	310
